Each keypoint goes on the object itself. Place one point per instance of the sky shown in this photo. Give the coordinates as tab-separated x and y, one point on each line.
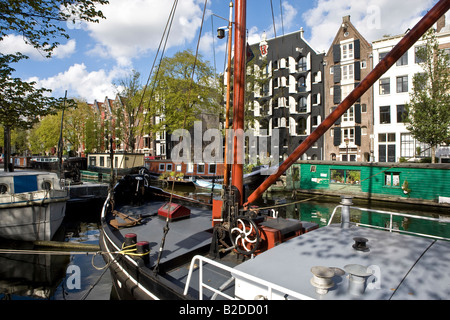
97	56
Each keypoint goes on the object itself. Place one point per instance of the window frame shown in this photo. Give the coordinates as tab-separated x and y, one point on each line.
385	86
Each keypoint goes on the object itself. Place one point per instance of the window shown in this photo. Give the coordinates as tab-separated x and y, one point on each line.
169	167
403	61
347	51
345	176
275	64
385	86
46	185
402	84
409	147
302	105
302	64
162	149
301	84
190	167
178	168
212	169
363	64
386	147
364	107
392	179
275	83
92	161
3	188
348	135
347	72
161	167
419	55
349	115
385	114
382	55
402	115
315	121
301	126
147	142
316	99
102	161
446	51
201	168
364	131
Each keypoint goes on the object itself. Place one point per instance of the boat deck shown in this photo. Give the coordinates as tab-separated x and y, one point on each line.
400	263
184	236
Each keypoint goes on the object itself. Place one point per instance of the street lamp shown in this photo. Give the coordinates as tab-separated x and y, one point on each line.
346	140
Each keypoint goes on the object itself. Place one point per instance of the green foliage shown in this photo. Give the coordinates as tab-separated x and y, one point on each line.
129	118
181	95
39	21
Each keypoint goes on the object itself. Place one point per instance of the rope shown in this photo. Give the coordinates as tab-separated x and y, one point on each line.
125	251
166	228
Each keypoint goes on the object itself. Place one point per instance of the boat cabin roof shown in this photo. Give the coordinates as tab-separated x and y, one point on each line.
403	266
21	181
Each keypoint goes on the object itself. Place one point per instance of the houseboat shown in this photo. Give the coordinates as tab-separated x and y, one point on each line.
205	173
32	205
420	183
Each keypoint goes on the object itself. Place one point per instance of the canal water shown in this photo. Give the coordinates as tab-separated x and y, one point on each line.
83	276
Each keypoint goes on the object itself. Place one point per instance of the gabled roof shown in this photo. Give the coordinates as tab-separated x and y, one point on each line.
346	23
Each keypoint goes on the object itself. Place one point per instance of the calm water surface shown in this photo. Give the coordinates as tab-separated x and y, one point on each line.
77	276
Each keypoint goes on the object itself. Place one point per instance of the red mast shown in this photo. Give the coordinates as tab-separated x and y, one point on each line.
237	175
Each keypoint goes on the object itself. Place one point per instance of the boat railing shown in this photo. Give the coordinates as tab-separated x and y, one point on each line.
199	261
391	227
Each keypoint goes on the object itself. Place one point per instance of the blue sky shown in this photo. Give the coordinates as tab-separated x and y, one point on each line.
99	55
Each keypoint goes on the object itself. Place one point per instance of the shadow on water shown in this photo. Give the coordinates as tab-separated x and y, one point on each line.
62	275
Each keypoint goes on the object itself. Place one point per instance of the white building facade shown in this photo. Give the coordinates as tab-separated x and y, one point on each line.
392	140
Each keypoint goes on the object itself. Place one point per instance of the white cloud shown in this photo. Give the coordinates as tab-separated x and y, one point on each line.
79	82
66	50
15	43
135	27
373	19
281	25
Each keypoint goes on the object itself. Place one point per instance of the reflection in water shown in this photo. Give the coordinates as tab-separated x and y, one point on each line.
68	276
30	275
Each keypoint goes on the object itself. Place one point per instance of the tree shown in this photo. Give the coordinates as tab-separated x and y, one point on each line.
80	127
428	112
21	103
130	117
179	96
45	135
39	23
